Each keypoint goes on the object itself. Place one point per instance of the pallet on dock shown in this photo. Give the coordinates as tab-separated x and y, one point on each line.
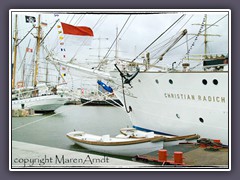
22	112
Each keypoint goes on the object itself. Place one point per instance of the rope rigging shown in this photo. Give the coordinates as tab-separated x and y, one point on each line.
157	50
168	40
116	37
158	37
72	19
85	39
128	26
79	19
196	37
200	31
108	52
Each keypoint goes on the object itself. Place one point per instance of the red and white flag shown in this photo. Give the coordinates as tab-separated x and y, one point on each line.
29	50
78	35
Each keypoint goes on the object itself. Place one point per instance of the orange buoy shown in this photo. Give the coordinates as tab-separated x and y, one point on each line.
178	157
162	155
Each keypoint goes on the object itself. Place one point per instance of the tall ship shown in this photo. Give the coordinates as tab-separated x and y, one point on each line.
179	102
176	100
41	97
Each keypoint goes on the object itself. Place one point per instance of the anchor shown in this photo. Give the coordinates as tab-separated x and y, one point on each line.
127	78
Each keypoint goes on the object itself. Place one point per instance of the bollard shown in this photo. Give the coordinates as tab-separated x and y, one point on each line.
162	155
217	141
203	145
178	157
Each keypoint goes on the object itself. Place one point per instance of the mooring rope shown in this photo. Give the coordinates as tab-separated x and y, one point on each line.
47	117
117	106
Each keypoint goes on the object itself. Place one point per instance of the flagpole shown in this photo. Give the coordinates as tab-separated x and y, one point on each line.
15	54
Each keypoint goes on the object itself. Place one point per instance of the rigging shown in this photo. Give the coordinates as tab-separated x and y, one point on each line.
159	37
117	37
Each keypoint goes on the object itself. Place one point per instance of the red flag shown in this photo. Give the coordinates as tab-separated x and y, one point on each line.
76	30
29	50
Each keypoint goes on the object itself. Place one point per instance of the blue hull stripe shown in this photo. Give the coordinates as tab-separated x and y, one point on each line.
148	130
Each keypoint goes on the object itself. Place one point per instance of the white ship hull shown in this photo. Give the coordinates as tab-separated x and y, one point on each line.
187	106
47	103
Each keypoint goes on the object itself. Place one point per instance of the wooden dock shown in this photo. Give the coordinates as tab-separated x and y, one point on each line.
193	155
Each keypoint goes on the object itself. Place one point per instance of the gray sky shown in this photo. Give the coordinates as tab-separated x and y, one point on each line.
141	29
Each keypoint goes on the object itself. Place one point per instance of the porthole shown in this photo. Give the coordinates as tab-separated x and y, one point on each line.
157	81
170	81
201	120
215	81
204	81
139	80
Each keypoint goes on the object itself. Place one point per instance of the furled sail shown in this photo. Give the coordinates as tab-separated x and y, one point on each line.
107	88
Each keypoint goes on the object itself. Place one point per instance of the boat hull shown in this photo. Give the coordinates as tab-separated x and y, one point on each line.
130	147
41	103
180	103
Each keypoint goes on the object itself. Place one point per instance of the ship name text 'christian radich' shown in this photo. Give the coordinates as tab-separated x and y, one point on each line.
195	97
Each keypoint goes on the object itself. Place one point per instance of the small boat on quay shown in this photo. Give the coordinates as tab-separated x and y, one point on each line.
168	140
119	145
130	142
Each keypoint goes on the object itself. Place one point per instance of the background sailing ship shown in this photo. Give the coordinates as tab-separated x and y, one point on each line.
31	87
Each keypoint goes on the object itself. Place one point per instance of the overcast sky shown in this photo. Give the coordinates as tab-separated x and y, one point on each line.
140	30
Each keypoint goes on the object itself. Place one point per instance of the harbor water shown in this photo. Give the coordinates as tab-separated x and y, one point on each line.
50	130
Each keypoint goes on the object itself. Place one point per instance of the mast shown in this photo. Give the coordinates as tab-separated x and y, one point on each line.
205	37
24	63
15	54
205	34
37	52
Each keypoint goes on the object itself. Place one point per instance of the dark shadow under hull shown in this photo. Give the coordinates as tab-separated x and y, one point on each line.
108	102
